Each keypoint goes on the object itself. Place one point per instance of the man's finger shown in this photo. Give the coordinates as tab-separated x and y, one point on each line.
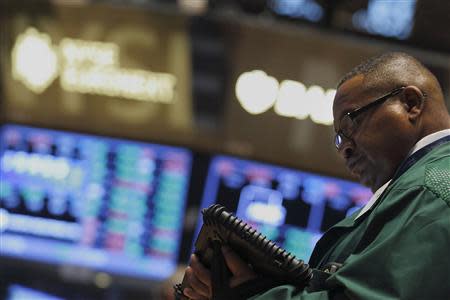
202	273
236	265
240	269
196	285
191	294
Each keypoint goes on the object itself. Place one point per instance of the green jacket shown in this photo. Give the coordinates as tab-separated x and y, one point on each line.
399	249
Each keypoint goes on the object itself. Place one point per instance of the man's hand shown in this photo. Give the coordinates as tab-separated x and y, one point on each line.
199	277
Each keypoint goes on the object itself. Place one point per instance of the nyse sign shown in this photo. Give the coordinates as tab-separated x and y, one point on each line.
257	92
87	67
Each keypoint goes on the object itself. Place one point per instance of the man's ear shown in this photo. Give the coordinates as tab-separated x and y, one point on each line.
413	101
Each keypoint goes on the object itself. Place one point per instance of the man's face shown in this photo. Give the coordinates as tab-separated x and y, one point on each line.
380	140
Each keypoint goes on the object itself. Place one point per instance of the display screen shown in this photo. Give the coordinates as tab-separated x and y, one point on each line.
102	203
292	208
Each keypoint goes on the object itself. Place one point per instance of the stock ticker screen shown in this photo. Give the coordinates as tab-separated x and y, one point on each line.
101	203
292	208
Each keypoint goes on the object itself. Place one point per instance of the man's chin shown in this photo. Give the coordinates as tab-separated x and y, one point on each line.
366	181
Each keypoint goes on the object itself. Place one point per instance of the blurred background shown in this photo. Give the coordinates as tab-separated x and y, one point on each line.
121	119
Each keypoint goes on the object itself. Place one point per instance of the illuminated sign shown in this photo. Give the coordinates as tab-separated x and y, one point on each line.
87	67
257	92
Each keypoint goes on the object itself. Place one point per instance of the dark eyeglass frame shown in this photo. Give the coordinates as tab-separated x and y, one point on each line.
339	137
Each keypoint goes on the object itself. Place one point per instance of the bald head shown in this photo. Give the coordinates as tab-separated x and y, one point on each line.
391	67
396	69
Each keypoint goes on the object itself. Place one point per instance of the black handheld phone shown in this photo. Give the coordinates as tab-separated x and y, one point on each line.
265	257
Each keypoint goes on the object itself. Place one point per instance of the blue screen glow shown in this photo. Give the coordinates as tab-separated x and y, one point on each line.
299	9
19	292
387	18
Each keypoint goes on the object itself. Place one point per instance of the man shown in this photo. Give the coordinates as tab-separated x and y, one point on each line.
393	131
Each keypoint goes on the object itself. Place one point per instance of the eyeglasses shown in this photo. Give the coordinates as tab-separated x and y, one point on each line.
347	124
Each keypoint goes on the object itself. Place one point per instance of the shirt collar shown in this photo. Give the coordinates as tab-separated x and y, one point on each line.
419	145
373	199
429	139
